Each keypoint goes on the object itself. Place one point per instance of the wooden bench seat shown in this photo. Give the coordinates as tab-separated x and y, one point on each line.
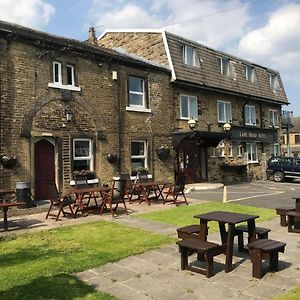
293	221
261	233
188	232
262	248
206	249
282	211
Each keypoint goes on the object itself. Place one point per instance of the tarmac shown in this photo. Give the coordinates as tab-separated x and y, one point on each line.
156	274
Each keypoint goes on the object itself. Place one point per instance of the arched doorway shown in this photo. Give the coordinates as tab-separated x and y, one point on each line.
44	168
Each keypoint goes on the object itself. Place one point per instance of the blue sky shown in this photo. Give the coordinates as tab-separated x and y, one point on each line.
266	32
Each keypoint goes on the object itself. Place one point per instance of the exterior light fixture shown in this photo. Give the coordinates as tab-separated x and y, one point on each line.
68	113
226	127
192	123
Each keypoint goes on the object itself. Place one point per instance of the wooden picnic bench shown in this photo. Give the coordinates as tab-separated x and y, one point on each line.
282	211
204	248
264	248
260	232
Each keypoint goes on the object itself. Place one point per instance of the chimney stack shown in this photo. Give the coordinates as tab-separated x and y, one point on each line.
92	36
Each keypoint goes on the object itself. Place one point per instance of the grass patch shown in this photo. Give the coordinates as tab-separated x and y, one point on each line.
291	295
183	215
39	265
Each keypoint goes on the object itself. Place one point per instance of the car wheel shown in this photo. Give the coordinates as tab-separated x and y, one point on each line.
278	176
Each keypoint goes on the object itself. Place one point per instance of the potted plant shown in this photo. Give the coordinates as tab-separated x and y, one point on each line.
85	173
163	152
141	171
8	161
112	157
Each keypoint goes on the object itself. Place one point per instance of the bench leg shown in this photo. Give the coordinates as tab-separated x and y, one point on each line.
283	220
209	265
256	263
241	241
273	261
290	223
184	257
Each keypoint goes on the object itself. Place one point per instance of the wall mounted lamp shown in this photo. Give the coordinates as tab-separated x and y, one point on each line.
192	123
226	127
68	113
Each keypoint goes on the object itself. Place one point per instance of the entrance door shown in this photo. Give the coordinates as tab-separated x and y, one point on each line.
192	161
44	168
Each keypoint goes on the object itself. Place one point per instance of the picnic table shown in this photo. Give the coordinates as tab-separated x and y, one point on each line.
227	237
151	186
91	192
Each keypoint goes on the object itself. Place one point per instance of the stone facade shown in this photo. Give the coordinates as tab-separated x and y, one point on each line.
33	111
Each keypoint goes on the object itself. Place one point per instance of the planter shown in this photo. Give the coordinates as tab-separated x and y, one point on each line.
234	168
163	153
112	158
7	162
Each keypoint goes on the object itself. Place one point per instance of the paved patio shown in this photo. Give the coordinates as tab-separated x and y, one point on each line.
156	274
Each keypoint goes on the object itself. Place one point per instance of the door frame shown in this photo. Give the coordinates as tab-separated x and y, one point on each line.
54	142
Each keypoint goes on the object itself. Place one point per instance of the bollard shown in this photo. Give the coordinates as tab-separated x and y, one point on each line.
225	194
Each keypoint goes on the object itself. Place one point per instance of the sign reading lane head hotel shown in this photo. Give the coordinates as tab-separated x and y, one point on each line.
254	134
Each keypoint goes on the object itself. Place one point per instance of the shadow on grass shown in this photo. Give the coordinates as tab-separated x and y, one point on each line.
60	286
29	254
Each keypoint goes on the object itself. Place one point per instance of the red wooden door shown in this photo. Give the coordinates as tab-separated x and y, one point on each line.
192	161
44	168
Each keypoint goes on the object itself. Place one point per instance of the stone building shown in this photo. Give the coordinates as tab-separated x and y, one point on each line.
147	100
68	106
213	92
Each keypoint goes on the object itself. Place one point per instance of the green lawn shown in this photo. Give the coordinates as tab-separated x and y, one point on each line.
184	215
40	265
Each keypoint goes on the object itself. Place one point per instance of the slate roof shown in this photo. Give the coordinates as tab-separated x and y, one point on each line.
150	43
208	74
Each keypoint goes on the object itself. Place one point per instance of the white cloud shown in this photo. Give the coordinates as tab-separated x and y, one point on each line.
207	25
277	44
31	13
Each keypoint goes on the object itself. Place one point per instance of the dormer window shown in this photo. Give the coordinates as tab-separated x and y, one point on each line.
250	115
250	74
274	82
63	77
190	56
225	66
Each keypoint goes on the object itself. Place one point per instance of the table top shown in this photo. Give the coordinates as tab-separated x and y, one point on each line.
226	217
14	203
151	183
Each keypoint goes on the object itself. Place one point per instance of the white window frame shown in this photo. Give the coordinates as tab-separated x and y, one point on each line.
275	149
227	111
59	72
250	115
230	150
251	149
72	74
189	100
130	92
193	60
59	84
250	73
274	82
240	149
273	118
212	152
225	66
222	149
89	157
144	156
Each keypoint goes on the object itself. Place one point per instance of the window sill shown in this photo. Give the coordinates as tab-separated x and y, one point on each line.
138	109
64	86
253	162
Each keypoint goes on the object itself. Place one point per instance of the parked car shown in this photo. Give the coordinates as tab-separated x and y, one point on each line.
283	168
